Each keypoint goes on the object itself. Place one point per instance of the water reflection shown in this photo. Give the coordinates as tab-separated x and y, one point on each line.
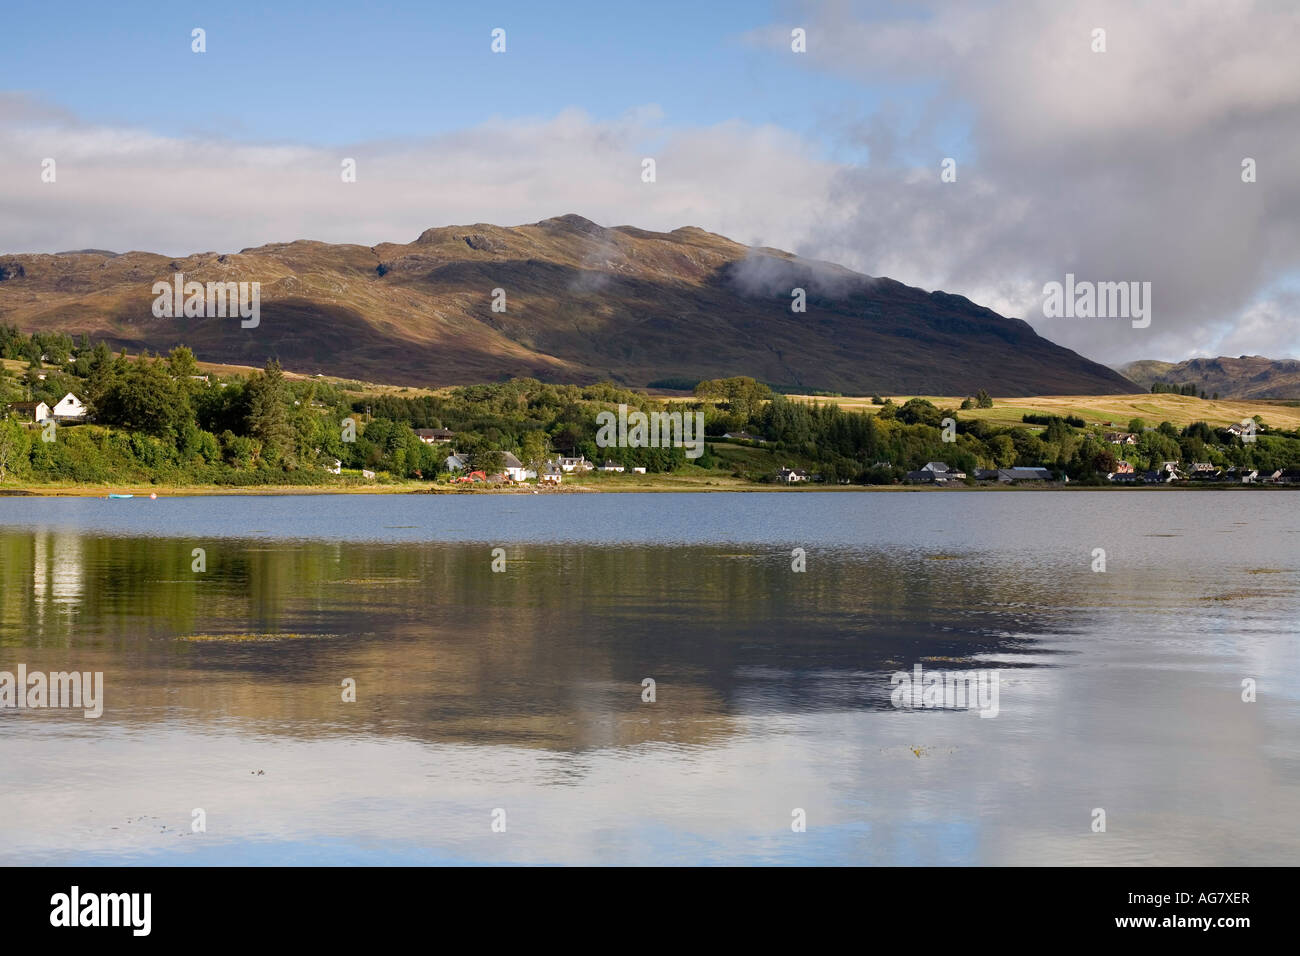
523	689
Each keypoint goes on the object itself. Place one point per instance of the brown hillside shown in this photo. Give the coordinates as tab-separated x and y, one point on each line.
584	303
1248	376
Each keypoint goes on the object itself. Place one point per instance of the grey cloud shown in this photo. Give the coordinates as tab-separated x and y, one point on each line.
1123	165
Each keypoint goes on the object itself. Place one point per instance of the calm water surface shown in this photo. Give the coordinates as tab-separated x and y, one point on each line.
522	690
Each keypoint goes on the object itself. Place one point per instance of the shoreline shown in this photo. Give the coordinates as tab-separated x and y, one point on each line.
200	491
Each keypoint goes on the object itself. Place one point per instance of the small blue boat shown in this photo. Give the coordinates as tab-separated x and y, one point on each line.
121	496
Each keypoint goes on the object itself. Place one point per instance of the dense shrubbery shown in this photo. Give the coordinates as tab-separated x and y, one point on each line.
1165	388
1032	418
155	420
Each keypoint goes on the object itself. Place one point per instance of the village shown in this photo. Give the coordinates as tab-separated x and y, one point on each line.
461	470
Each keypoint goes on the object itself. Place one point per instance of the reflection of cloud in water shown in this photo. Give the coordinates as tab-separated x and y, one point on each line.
523	690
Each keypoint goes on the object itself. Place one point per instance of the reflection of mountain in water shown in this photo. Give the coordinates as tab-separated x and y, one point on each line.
551	653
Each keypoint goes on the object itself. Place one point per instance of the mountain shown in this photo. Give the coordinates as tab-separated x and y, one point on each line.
1248	376
584	303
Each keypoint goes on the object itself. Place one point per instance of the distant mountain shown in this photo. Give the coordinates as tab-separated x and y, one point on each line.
1248	376
584	303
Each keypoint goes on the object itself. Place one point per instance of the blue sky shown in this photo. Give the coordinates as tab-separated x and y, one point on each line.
333	73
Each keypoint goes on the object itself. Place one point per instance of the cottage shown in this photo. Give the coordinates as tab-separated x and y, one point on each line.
432	436
1121	438
31	411
1203	471
610	466
334	466
1014	475
552	474
943	472
1124	473
515	469
1161	476
791	475
639	469
935	472
575	464
986	474
69	408
366	473
456	462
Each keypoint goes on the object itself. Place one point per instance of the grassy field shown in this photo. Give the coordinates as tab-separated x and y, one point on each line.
1100	409
359	389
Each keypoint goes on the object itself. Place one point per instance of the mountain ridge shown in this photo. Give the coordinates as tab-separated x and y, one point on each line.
1246	376
584	302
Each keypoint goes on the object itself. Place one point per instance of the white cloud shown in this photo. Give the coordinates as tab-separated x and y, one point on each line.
1116	166
128	189
1123	165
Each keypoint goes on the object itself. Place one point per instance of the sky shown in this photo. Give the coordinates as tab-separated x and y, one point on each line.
1122	164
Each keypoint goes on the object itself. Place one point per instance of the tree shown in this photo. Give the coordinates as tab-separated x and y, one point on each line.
743	396
268	414
1137	425
1003	450
14	446
180	361
535	450
140	396
919	411
982	399
487	460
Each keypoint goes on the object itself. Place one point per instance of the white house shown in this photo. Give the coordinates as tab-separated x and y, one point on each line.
31	411
552	474
515	468
791	475
610	466
575	464
69	406
941	471
1243	428
334	466
456	462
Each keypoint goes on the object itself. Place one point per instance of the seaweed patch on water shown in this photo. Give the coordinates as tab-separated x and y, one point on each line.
365	582
1234	596
1265	570
248	638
